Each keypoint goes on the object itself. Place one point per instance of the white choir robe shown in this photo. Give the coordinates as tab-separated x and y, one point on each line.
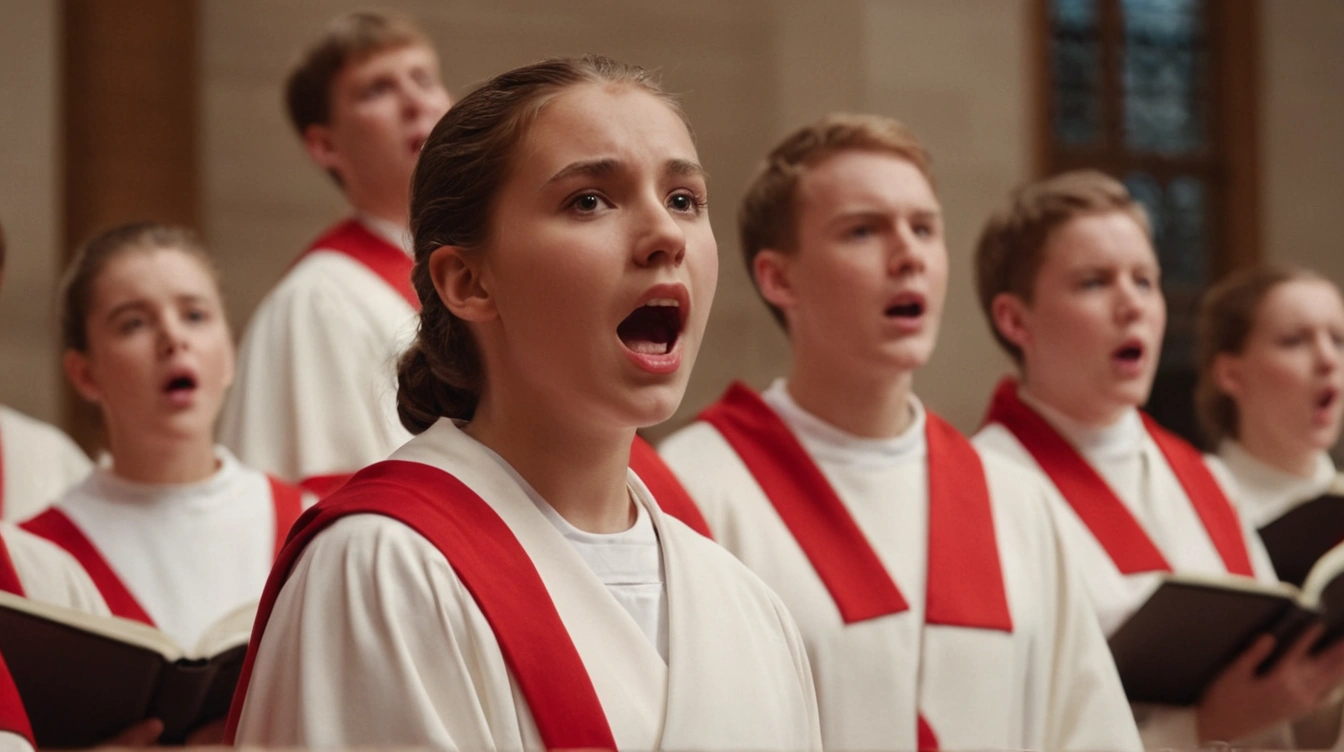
37	464
1264	493
1050	684
315	392
189	554
374	639
48	574
1159	503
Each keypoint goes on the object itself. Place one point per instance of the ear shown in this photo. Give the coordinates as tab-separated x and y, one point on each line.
1226	373
320	146
1009	314
79	372
461	285
772	271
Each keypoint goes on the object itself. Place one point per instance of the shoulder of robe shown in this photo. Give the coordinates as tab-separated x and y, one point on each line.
322	284
40	438
371	552
698	454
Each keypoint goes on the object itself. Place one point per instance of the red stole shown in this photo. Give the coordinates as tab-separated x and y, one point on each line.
1104	513
9	576
671	496
496	570
965	581
55	526
387	261
12	716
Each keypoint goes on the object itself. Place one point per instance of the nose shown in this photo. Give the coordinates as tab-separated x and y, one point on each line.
1129	301
905	257
1327	353
172	338
661	238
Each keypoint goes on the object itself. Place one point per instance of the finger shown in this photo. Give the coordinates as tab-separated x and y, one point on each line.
141	734
1302	645
1251	658
210	735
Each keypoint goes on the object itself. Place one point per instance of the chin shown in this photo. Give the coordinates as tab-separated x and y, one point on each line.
651	405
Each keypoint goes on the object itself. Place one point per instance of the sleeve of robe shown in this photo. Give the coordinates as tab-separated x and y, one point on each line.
372	643
1087	705
316	384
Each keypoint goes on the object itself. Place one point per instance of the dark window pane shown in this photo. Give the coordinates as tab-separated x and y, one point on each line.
1075	64
1163	70
1178	213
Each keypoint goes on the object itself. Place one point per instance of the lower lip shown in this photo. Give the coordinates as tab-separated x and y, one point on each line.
661	364
1324	415
1128	368
181	397
906	324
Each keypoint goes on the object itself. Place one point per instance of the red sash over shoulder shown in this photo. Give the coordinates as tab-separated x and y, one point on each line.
55	526
495	569
389	262
671	496
9	576
1104	513
12	716
965	580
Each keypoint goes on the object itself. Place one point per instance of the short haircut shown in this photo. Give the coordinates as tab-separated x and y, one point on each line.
1012	244
1227	316
347	38
768	216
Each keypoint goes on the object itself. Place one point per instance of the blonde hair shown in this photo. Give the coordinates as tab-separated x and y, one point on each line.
461	170
1227	316
1012	244
768	216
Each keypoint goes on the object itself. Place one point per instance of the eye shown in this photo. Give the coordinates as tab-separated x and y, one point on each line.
377	88
922	230
196	315
861	232
129	324
686	202
587	203
1296	339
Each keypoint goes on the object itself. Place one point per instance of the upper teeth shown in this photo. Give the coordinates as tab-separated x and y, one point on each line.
669	302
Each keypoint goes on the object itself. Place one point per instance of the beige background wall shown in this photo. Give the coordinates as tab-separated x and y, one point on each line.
29	205
749	70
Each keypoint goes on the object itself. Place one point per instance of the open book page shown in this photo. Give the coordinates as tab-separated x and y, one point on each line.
231	630
113	627
1324	588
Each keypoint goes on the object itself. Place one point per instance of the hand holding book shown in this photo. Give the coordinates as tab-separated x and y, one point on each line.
1244	698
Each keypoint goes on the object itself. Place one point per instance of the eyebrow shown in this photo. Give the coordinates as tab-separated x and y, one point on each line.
870	214
596	168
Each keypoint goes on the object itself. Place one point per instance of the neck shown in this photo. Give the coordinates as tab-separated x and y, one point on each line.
396	212
1085	412
872	406
172	461
1293	460
580	473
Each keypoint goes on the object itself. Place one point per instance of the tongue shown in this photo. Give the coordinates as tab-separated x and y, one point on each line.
648	331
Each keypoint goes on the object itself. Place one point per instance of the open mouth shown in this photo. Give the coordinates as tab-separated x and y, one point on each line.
179	384
417	144
905	307
1130	352
653	328
1327	398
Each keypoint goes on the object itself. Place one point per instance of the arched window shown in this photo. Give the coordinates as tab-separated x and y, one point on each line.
1162	95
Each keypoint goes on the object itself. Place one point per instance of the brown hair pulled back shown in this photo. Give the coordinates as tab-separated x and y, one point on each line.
81	276
461	170
1227	316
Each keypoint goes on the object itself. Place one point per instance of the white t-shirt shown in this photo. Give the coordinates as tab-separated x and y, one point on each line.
189	554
